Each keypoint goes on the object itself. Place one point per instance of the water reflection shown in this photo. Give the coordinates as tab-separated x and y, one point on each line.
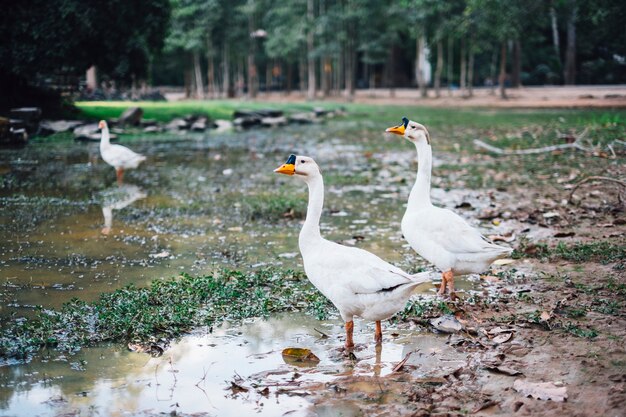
116	198
195	375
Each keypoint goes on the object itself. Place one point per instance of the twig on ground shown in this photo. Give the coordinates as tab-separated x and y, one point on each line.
577	144
594	178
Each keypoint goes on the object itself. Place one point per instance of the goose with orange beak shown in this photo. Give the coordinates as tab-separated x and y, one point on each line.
439	235
357	282
118	156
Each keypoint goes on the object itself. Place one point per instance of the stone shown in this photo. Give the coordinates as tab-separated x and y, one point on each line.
303	118
200	124
447	324
247	122
90	133
152	129
29	115
177	124
223	125
273	121
131	116
257	113
49	127
148	122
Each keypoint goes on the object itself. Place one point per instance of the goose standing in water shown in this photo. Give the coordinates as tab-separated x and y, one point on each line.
118	156
439	235
357	282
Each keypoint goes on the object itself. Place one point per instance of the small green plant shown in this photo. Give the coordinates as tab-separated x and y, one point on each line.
578	331
164	310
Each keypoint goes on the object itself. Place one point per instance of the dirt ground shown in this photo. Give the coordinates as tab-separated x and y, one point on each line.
524	97
546	337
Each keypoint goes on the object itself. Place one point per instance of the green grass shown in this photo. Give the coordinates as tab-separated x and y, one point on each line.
603	252
164	310
165	111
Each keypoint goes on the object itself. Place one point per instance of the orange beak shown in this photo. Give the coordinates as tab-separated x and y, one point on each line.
289	167
102	124
398	130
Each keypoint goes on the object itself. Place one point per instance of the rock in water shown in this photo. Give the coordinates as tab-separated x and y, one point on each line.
30	117
447	324
49	127
200	124
131	116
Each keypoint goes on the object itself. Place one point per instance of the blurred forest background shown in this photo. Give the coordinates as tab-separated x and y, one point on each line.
320	48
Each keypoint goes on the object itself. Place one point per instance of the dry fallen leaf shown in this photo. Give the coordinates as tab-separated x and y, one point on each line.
541	390
400	365
545	316
300	356
502	338
503	370
490	278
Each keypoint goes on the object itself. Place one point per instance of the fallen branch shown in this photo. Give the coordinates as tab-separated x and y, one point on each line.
577	144
594	178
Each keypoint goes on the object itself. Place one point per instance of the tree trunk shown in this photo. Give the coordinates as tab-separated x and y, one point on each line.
289	78
502	77
198	75
463	70
555	37
302	73
268	78
372	80
390	74
516	64
310	44
228	90
492	71
470	72
188	75
449	75
570	53
252	70
327	76
439	69
420	61
240	77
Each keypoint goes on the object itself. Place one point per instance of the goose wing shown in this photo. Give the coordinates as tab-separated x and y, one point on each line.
362	272
122	155
454	234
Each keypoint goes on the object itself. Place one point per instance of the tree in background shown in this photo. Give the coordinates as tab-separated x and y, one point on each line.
65	37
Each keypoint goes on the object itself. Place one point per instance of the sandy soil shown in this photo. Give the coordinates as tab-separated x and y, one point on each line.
525	97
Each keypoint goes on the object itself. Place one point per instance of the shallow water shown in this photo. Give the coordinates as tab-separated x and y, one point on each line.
68	230
198	203
196	374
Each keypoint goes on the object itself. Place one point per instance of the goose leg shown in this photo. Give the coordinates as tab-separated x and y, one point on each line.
349	331
378	336
447	282
120	175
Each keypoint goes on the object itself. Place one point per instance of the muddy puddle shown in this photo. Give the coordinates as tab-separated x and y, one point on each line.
197	204
231	371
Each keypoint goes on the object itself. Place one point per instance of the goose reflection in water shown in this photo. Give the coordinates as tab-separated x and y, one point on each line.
116	198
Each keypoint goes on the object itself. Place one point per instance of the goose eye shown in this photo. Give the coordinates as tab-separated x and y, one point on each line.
302	161
413	126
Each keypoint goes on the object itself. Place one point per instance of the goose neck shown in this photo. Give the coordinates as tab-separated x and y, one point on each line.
420	194
311	229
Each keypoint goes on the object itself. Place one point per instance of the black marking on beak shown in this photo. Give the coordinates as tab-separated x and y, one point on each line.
291	160
405	122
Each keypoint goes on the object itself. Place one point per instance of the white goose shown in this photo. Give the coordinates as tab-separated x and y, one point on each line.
118	156
439	235
357	282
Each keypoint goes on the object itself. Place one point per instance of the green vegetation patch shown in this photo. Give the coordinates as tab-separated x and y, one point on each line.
603	252
164	310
